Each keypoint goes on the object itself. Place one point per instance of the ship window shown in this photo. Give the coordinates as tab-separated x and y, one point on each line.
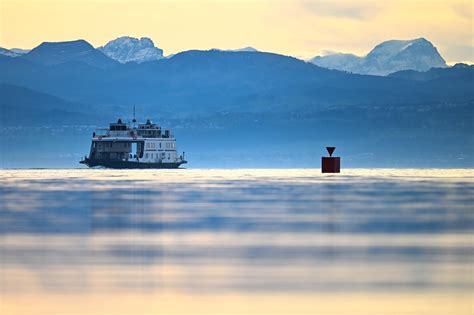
160	145
146	155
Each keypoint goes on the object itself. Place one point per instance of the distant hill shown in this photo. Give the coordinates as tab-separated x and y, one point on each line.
387	57
458	71
338	61
129	49
249	49
21	106
8	52
208	81
49	53
20	51
244	49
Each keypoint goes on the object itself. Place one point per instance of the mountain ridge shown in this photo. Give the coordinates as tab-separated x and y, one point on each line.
24	106
130	49
54	53
197	80
457	70
386	57
8	52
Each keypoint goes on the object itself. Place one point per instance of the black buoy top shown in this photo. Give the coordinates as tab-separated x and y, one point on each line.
330	150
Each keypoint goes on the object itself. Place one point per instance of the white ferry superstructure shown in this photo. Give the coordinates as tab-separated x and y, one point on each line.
121	146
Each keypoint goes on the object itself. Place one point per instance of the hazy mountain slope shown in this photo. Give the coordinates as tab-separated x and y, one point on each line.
20	51
8	52
459	70
203	81
243	49
129	49
209	81
248	49
387	57
338	61
21	106
56	53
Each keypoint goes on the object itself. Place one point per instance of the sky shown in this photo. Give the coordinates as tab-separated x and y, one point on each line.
300	28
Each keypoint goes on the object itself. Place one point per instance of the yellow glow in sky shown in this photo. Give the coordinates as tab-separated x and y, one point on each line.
302	28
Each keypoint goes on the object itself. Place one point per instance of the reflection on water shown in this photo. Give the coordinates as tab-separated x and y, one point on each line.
278	240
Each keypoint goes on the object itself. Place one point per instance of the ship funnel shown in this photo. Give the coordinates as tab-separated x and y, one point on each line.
330	150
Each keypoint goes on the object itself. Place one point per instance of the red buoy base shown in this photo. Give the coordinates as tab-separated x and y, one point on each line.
331	164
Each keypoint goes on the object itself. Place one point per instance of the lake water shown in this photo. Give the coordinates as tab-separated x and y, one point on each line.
280	241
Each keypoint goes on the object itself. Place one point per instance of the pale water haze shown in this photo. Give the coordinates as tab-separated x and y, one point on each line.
206	241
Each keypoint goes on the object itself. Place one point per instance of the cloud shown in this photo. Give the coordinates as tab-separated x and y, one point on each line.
362	10
463	10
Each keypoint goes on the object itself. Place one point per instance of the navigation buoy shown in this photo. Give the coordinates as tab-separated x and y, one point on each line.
331	164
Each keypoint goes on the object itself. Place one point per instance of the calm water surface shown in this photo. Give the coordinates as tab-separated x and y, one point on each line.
236	242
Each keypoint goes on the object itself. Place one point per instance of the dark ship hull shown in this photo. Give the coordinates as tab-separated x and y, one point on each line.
130	164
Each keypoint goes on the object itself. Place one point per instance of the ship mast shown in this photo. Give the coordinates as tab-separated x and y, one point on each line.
134	120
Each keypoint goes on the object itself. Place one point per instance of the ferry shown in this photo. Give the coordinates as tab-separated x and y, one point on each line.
121	146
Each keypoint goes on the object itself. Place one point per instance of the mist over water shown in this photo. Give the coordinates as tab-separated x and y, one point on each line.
294	232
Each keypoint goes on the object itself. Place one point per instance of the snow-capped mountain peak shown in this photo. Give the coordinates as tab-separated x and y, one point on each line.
13	52
20	51
8	52
387	57
244	49
391	48
130	49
